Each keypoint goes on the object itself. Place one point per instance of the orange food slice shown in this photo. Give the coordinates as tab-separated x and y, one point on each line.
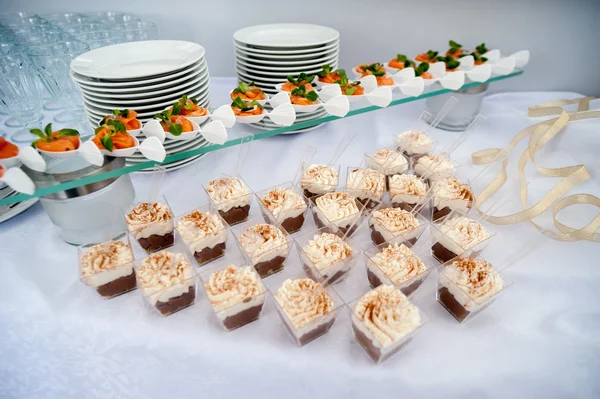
60	145
7	149
394	63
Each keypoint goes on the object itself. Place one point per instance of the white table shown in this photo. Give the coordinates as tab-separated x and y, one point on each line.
59	339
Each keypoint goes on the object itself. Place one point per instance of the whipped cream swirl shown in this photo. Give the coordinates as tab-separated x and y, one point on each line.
435	165
388	160
407	185
399	263
233	285
284	199
452	188
106	262
165	275
395	220
414	142
303	301
337	205
464	232
366	183
200	230
319	178
228	193
149	218
476	277
263	242
387	314
326	249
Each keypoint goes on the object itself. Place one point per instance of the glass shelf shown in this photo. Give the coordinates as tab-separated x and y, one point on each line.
94	178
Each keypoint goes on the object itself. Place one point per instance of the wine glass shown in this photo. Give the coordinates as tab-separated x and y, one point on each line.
136	31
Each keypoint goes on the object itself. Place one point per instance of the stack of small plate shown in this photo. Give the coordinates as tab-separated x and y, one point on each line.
268	54
146	77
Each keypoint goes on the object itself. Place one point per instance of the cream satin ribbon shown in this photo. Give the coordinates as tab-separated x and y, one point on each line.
539	135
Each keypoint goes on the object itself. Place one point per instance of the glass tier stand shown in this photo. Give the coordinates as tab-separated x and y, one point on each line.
236	134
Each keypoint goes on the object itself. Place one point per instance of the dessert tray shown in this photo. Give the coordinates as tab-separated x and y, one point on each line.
320	245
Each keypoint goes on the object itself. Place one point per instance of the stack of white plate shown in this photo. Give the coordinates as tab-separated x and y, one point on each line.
146	77
268	54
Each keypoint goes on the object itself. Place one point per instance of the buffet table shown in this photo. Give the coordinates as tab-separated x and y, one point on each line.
59	339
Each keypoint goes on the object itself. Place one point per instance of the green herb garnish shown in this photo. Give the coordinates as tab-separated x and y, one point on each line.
326	71
454	47
165	117
478	58
107	142
176	109
350	88
301	78
244	105
118	126
432	54
301	92
376	69
481	49
175	129
401	57
421	69
450	62
46	135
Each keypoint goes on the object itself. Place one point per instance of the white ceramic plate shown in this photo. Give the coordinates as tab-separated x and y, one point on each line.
141	108
278	74
270	57
287	68
139	102
150	92
186	146
239	57
170	166
137	59
286	35
284	51
137	87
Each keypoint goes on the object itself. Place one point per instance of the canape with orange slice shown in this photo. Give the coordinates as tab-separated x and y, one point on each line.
400	62
422	69
327	76
301	97
455	49
377	70
188	107
249	92
349	88
302	80
246	108
112	139
369	69
8	153
429	57
127	117
174	124
451	62
56	142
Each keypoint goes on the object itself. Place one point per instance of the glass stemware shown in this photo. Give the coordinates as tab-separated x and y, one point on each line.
136	31
52	63
20	94
101	38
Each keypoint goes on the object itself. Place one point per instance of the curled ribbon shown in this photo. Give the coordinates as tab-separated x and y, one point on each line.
539	135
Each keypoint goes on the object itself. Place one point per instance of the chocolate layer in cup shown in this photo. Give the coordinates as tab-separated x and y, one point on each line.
177	303
119	286
155	242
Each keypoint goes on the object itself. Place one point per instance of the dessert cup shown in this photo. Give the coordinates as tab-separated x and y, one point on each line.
235	292
416	146
326	258
319	179
397	264
279	208
108	267
307	309
432	168
457	235
465	297
231	196
384	321
265	246
367	185
406	191
396	225
204	233
448	195
388	161
151	224
338	213
167	281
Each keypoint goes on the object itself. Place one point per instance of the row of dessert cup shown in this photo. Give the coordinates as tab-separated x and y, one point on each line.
186	294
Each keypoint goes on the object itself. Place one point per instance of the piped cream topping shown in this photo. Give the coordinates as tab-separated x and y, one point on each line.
303	301
325	249
407	185
388	314
233	285
435	164
319	174
388	158
464	231
396	220
226	189
163	270
476	277
399	263
366	181
262	238
281	198
412	140
337	205
452	188
197	225
147	215
105	256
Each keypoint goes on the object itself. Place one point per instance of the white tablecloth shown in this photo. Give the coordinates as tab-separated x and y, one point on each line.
541	338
